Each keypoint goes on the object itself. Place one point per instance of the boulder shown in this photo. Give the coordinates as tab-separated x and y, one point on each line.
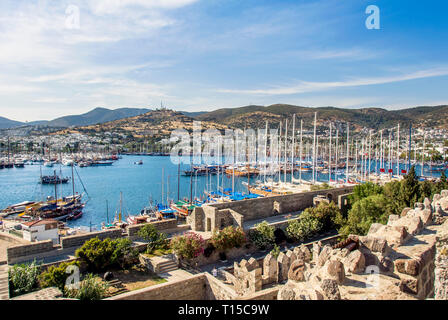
427	203
392	219
297	271
330	289
335	270
374	244
419	205
426	217
324	255
355	262
405	211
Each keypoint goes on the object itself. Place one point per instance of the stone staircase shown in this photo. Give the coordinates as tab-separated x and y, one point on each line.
4	284
167	266
117	284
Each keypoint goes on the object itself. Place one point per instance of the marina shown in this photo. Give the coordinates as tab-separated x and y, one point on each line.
143	184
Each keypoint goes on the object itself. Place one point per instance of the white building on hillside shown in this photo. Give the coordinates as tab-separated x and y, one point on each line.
40	230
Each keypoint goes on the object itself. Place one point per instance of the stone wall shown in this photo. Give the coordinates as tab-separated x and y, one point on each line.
169	226
264	207
393	261
193	288
441	265
216	290
18	253
218	215
78	240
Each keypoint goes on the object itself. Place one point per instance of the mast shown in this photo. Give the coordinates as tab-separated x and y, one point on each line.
73	183
55	187
279	153
356	158
265	153
329	157
423	152
370	154
381	149
398	150
300	151
314	148
286	142
178	181
337	156
293	146
348	143
410	147
163	169
121	207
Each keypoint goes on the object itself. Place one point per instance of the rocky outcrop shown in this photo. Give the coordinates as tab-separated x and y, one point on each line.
405	259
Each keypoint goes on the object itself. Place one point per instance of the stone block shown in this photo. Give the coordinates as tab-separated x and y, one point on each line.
355	262
297	271
335	270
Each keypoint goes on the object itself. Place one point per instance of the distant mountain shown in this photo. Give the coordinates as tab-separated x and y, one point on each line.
6	123
374	118
97	115
193	114
160	122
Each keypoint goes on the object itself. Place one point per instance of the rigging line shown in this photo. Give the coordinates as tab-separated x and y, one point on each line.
80	180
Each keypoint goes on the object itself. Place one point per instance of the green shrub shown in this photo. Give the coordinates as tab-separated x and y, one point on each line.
228	238
305	227
124	254
275	252
262	236
23	278
156	240
101	254
188	246
90	288
364	212
56	276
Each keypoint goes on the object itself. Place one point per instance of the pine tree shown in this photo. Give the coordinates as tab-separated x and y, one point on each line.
409	190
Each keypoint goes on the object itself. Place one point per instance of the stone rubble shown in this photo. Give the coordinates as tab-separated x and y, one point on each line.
405	259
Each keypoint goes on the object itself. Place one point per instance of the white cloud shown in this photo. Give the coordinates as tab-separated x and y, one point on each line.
308	86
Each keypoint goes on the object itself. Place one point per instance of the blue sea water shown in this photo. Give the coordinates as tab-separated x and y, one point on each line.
138	184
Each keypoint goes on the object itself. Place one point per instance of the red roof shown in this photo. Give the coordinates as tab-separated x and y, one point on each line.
39	222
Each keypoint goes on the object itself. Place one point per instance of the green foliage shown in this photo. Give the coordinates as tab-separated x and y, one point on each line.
275	252
188	246
323	186
102	254
228	238
409	189
328	214
90	288
156	240
305	227
56	276
23	278
124	254
262	236
363	213
363	191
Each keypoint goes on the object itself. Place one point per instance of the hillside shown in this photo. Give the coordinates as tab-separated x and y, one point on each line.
97	115
6	123
375	118
155	122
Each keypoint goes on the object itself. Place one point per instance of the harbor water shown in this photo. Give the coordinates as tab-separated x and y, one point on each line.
139	184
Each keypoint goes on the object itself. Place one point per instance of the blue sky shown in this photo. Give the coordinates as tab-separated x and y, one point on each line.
199	55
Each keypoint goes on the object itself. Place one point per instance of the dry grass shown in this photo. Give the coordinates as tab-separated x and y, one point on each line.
136	278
